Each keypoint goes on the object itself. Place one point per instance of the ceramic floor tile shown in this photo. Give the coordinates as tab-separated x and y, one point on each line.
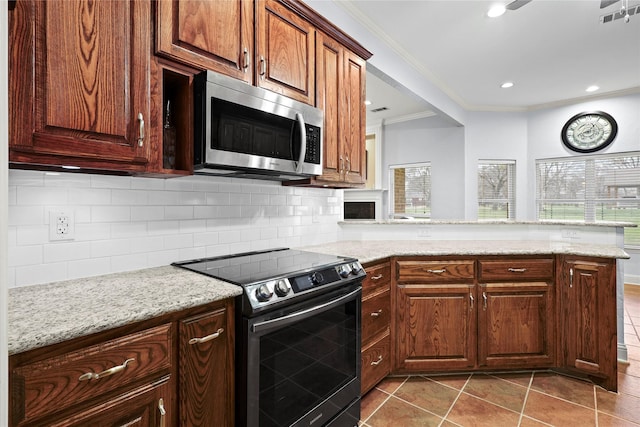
555	411
605	420
455	381
530	422
521	378
395	412
391	384
429	395
469	411
573	390
371	402
620	405
628	384
495	390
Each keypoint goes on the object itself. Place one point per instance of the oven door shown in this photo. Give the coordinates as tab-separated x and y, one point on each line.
302	363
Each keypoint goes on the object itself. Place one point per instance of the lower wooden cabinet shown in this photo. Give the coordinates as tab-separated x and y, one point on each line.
588	337
206	370
376	319
177	369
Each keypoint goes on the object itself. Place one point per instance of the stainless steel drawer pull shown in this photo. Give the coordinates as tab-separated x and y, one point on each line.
141	130
213	336
484	300
163	412
377	362
442	270
246	60
378	277
376	313
107	373
517	270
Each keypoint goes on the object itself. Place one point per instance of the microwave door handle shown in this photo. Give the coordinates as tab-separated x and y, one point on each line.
303	142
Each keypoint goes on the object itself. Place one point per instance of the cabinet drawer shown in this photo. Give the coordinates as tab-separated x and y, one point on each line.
56	383
376	362
435	271
378	277
516	269
376	314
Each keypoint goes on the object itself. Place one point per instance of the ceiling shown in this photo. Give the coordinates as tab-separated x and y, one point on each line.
552	50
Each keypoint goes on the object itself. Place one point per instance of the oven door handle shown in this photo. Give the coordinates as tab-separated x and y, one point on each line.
303	314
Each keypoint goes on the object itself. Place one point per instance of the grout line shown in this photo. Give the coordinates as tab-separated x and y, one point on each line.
385	400
455	401
595	403
526	396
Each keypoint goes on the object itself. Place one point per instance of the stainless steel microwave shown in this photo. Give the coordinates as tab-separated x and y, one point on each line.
246	131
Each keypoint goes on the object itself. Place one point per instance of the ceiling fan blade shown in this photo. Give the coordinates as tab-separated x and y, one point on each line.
605	3
517	4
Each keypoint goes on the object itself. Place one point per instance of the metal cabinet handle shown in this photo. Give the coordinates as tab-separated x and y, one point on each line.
484	301
141	131
348	166
263	67
571	277
163	412
213	336
247	61
472	300
517	270
107	373
376	313
442	270
341	164
377	362
378	277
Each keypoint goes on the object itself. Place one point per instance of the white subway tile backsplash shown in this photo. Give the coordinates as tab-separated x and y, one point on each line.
127	223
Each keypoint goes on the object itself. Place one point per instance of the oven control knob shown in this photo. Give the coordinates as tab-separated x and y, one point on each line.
355	268
263	293
317	278
343	271
282	288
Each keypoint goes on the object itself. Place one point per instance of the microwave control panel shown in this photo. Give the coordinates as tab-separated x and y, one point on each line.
314	142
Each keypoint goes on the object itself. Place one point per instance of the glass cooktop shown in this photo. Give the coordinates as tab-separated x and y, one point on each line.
246	268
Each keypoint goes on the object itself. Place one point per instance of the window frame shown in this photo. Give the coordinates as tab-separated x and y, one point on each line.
392	195
510	200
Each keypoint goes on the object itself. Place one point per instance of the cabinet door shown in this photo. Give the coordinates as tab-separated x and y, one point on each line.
212	35
515	325
436	327
285	55
329	70
589	339
206	370
147	406
79	89
354	120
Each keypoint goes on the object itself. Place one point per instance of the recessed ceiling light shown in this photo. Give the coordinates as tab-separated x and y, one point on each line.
367	102
496	10
506	85
593	88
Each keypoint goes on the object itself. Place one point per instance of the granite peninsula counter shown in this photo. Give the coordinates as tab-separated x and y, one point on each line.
41	315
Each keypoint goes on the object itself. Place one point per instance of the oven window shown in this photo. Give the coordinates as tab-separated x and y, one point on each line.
304	364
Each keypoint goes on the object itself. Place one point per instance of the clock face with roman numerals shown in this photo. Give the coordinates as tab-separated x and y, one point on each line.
589	132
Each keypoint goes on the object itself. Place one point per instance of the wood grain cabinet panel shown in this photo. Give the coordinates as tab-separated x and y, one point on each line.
210	35
436	327
79	85
436	271
207	370
516	269
588	312
516	325
376	361
54	384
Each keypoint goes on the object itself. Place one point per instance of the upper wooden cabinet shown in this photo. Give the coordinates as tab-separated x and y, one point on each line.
285	52
212	35
79	83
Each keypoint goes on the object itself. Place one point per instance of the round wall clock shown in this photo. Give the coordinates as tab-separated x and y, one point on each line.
589	132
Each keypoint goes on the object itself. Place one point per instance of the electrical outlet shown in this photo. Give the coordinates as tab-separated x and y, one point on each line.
424	232
570	233
61	226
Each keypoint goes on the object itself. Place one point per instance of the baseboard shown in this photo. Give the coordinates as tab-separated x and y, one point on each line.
631	279
623	356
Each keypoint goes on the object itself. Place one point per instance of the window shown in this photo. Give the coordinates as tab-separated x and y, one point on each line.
496	189
410	190
593	188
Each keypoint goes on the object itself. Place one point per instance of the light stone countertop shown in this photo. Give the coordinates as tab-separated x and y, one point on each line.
418	221
41	315
372	250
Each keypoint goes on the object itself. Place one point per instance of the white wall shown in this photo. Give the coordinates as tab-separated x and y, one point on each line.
4	136
127	223
496	136
414	142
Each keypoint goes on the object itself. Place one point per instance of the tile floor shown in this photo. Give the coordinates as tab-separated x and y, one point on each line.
526	399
